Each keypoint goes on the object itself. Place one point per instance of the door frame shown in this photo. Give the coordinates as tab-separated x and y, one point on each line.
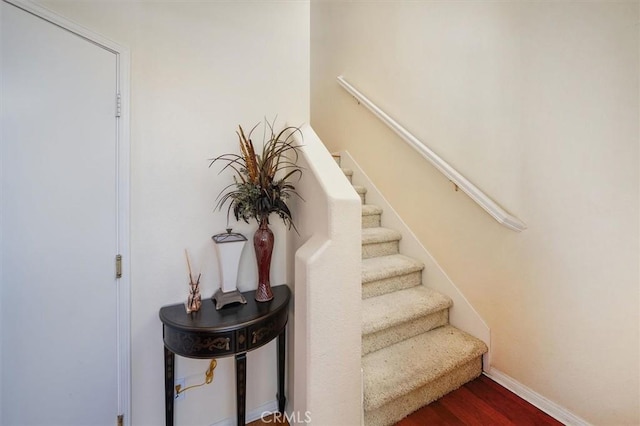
123	190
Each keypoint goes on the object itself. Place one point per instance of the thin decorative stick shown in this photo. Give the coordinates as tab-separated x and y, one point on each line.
186	254
199	272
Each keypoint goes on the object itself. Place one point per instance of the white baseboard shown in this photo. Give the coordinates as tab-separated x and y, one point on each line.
551	408
255	414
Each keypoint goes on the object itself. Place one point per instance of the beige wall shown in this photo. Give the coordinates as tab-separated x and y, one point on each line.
537	104
198	70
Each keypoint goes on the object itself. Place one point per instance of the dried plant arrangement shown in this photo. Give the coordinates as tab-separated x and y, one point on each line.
261	183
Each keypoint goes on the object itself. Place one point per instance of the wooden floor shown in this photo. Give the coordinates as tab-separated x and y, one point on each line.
271	420
481	402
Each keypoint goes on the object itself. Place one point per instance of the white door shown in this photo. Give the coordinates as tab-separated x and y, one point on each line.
59	303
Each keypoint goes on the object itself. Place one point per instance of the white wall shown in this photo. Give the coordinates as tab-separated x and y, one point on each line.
198	70
537	104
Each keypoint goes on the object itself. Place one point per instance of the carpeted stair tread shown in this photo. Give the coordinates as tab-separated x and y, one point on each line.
379	268
401	314
371	216
347	172
360	189
379	235
370	209
399	408
362	192
391	309
406	366
378	242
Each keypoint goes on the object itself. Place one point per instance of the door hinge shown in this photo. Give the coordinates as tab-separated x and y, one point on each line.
120	419
118	266
118	104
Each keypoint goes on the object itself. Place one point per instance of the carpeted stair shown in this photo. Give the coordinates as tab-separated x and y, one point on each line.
411	356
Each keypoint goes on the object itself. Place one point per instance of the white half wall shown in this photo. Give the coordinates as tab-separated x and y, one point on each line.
328	292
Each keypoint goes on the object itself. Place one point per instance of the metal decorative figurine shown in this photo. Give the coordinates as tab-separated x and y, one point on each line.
229	246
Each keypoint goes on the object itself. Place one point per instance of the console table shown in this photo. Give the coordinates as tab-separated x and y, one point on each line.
233	330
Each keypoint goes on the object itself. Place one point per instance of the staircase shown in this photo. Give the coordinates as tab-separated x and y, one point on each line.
411	356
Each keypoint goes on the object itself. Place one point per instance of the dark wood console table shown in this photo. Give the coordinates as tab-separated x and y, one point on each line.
233	330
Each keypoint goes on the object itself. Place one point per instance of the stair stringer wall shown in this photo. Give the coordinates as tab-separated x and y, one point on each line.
462	315
325	327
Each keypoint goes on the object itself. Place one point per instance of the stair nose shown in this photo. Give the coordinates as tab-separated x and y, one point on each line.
362	192
400	306
381	275
397	316
371	216
379	242
348	173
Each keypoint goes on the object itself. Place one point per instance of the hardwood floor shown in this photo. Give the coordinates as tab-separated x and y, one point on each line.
269	420
481	402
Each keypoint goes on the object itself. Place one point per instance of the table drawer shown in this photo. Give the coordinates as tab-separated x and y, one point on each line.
196	345
264	332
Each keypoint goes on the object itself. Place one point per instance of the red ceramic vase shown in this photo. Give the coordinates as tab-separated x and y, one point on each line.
263	244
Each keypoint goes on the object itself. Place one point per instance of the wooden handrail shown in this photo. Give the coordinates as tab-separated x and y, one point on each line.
498	213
